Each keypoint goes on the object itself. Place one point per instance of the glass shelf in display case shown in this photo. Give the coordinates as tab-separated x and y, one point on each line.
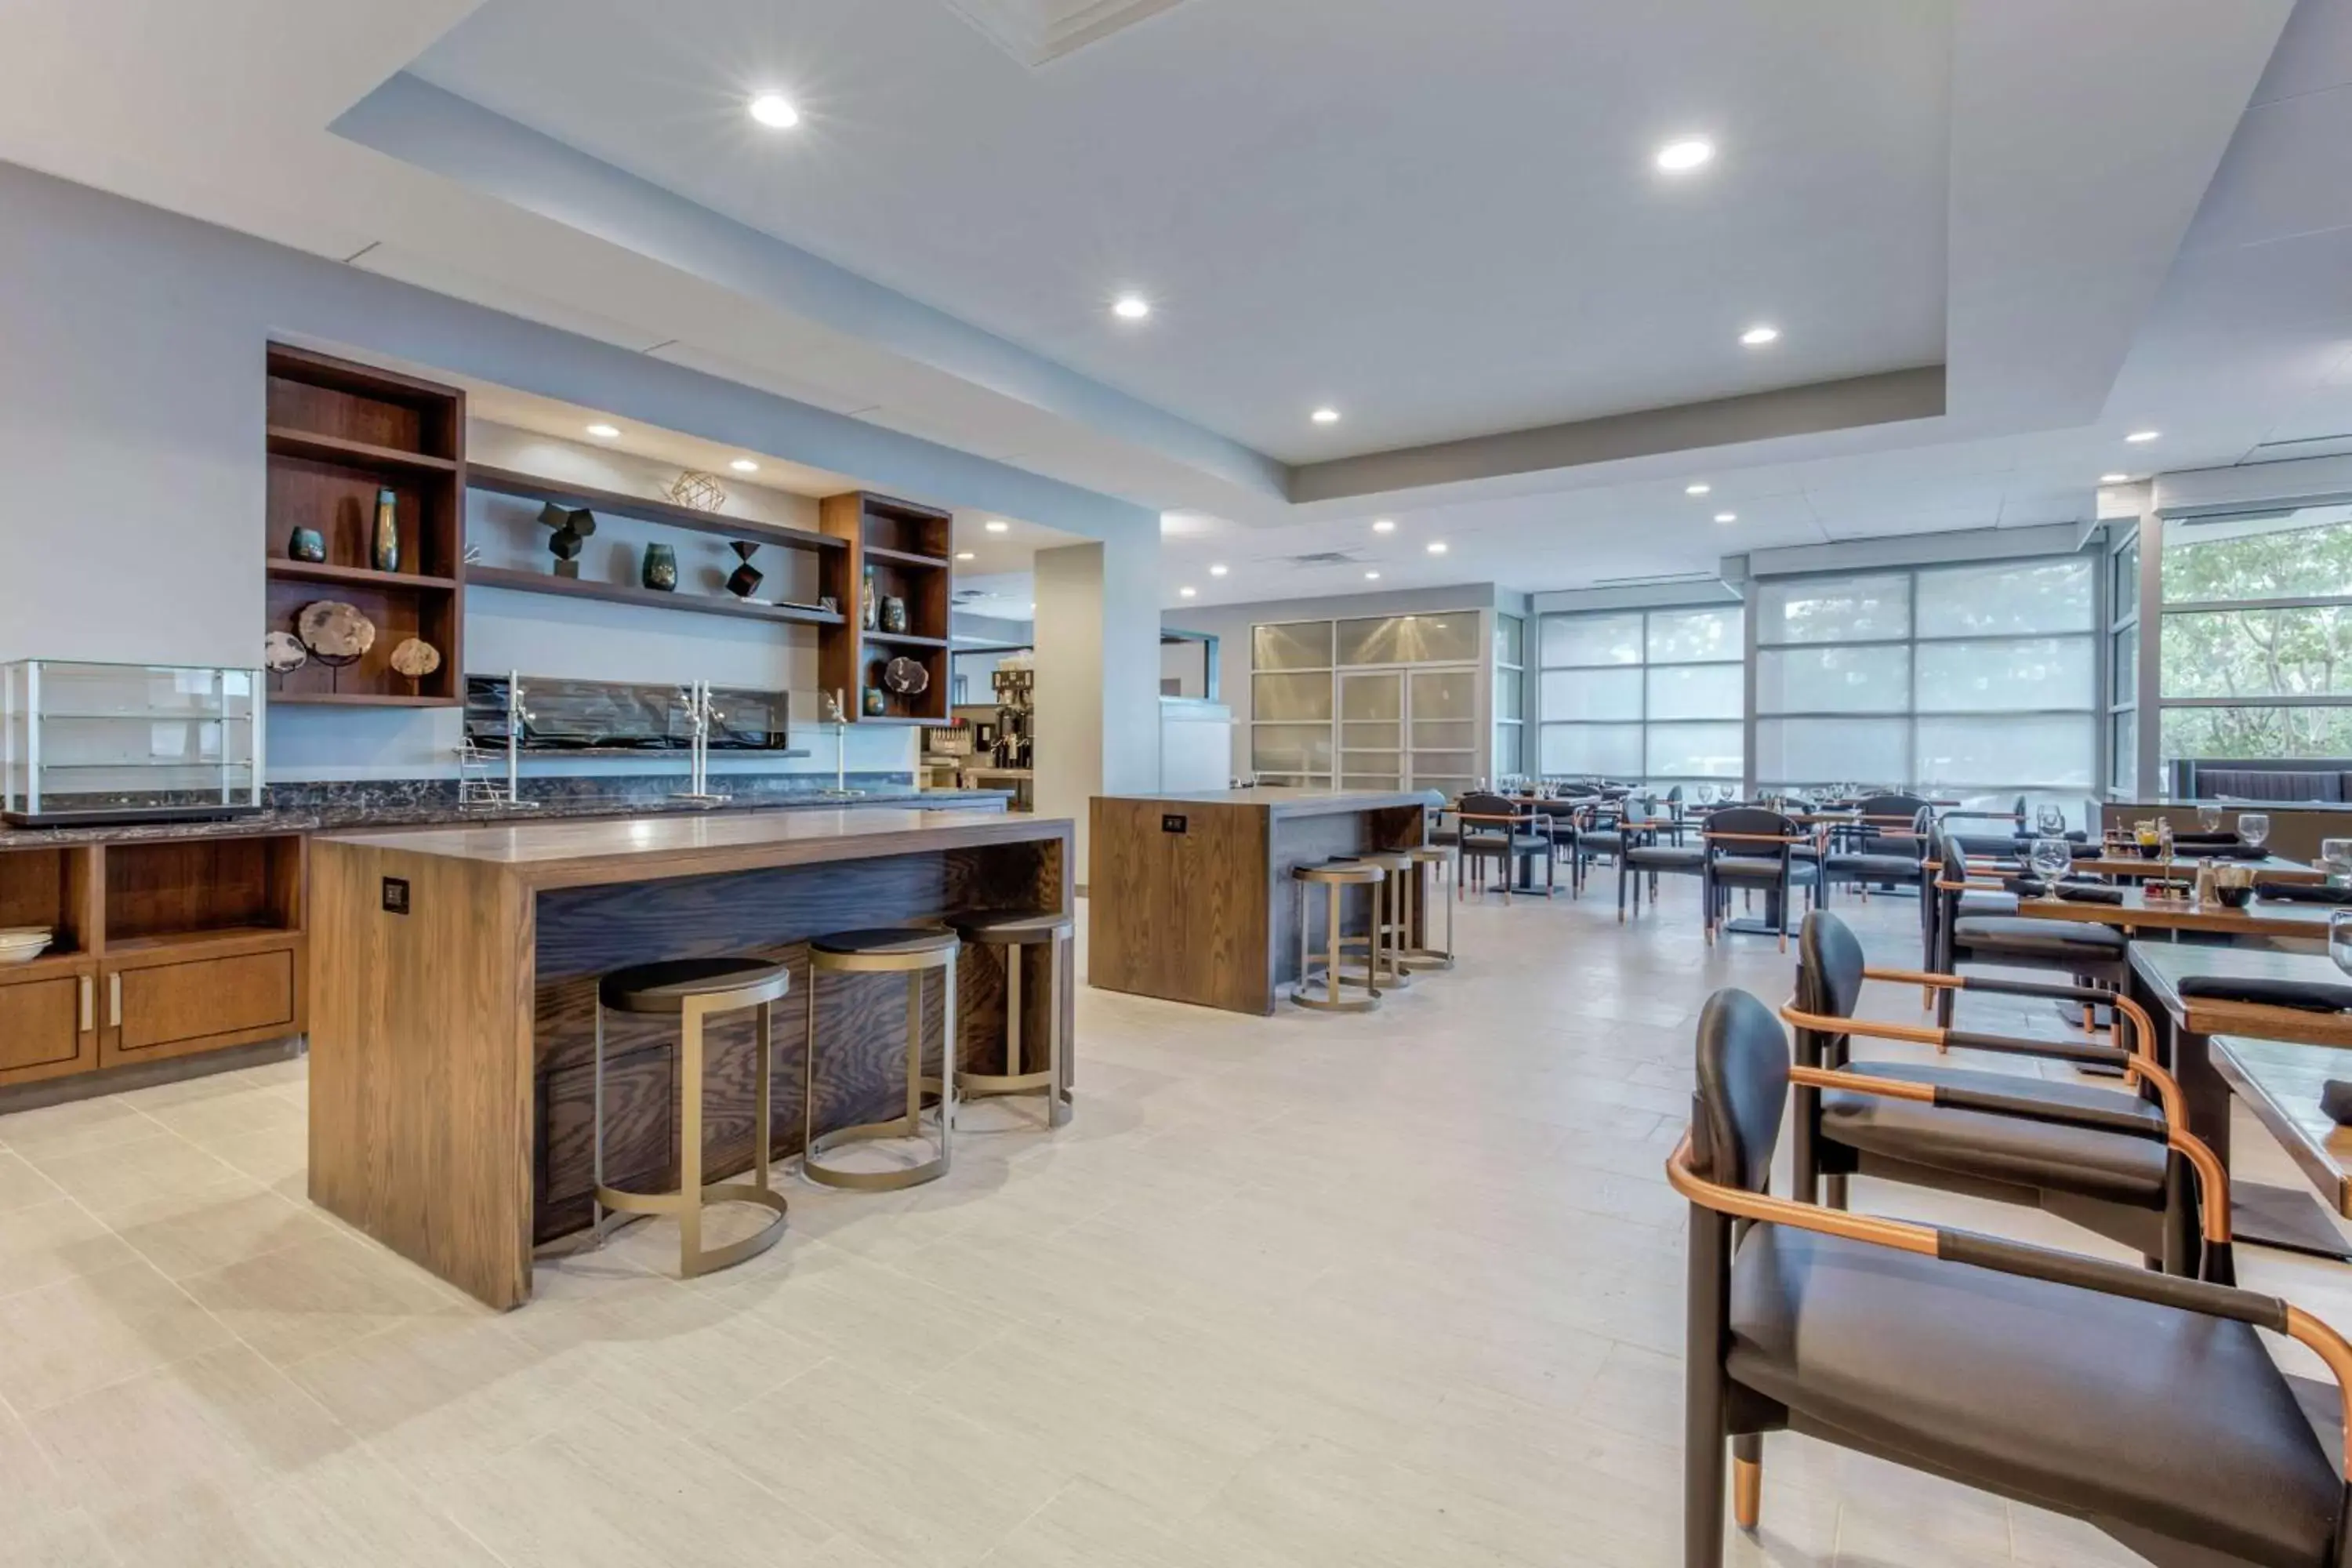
90	745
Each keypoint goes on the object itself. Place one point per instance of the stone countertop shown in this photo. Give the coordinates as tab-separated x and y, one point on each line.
355	819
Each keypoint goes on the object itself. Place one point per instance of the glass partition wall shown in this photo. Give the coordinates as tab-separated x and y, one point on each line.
1381	702
1655	696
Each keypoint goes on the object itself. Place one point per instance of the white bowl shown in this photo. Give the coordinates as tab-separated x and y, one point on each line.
22	944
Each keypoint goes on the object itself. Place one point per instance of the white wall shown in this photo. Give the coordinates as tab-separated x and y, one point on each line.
131	472
1098	676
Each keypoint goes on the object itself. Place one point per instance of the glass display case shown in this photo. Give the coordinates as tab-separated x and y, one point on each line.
85	744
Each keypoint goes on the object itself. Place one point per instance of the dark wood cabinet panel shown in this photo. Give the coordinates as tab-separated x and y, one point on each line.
196	1003
41	1033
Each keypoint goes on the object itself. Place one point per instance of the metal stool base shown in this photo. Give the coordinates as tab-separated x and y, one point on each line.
1046	1081
930	1169
709	1259
816	1144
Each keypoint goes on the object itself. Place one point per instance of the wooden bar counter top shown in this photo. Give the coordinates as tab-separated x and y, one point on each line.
1190	897
454	974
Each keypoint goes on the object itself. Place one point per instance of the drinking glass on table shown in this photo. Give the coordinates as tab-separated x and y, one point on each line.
2336	854
2208	817
2253	826
2050	820
2051	858
2339	939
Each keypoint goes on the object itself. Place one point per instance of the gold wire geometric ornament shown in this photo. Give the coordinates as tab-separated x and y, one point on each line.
699	490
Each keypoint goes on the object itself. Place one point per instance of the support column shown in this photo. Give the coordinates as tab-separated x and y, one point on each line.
1098	676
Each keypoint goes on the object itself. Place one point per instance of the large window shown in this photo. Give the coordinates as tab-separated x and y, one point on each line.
1970	682
1384	703
2257	657
1648	695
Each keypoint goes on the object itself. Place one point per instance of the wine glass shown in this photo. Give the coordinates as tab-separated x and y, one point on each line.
2253	826
2208	817
2050	820
2050	857
2339	939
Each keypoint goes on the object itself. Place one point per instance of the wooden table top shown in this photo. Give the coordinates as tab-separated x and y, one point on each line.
2261	918
642	848
2162	965
2270	868
2280	1083
1284	801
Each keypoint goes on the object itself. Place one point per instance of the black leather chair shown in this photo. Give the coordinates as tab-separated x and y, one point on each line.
1886	846
1497	828
1972	921
1648	848
1750	848
2140	1403
2122	1163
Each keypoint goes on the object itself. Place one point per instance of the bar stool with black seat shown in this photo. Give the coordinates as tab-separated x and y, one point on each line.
1334	879
692	990
1015	932
914	951
1386	937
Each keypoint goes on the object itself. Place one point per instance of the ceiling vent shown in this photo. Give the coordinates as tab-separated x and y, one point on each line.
1038	31
1325	558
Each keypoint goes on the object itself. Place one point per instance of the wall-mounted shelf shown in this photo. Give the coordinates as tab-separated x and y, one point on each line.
907	558
651	598
904	548
337	433
906	640
527	486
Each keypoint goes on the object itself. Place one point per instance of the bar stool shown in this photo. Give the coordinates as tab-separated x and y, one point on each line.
1384	939
1015	932
1416	887
692	989
1336	879
911	951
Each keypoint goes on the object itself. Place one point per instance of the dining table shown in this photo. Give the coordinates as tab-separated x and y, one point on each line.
2136	911
2270	1215
2281	1083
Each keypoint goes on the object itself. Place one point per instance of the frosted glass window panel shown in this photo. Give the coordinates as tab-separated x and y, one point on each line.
1291	748
1869	679
2007	675
1695	751
1452	736
2124	765
1591	694
2012	598
1696	690
2123	667
1378	735
1828	750
1510	640
2126	591
1573	642
1371	697
1507	740
1614	751
1444	693
1296	645
1411	639
1510	688
1392	779
1695	636
1290	697
2005	750
1875	608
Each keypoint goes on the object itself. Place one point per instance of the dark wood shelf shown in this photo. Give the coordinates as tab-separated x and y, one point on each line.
903	639
364	699
907	558
527	487
285	441
320	572
651	598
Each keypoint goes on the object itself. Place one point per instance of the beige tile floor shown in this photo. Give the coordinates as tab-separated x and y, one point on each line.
1399	1289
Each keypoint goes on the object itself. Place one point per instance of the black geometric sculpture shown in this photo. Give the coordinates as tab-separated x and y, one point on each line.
572	525
744	581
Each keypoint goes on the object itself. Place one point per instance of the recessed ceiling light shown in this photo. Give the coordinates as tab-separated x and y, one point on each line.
745	466
1384	525
1756	337
2141	436
1686	154
1699	488
604	432
2114	479
1218	570
1131	308
963	555
1371	577
1727	517
1437	547
1187	593
997	525
1325	416
775	110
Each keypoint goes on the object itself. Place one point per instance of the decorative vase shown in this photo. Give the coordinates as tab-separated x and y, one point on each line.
866	609
307	544
875	703
660	572
386	552
893	614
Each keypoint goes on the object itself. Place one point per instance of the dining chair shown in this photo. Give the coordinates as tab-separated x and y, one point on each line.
1972	919
1885	847
2142	1404
1650	846
1755	850
2122	1163
1497	828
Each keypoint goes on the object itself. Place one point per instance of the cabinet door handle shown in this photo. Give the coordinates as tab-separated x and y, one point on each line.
114	1000
89	1004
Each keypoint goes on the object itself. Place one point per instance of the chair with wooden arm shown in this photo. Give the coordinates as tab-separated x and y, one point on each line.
1494	827
1973	920
2123	1164
1649	848
1886	848
2142	1404
1749	847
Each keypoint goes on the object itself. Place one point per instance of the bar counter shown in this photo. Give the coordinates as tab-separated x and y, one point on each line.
454	972
1189	896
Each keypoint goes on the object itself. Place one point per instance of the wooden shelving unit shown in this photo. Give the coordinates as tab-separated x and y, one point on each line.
652	598
339	432
527	487
905	546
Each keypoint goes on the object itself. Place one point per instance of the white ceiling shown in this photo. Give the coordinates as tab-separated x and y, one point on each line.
1448	228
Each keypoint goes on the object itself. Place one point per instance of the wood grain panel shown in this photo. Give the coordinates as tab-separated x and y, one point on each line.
1181	915
421	1062
173	885
40	1029
163	1003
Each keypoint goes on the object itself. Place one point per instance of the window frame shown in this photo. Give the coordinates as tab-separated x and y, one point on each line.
1735	657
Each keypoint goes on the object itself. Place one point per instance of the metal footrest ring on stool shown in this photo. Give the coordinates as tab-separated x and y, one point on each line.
1416	903
692	989
914	951
1336	879
1014	931
1384	943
